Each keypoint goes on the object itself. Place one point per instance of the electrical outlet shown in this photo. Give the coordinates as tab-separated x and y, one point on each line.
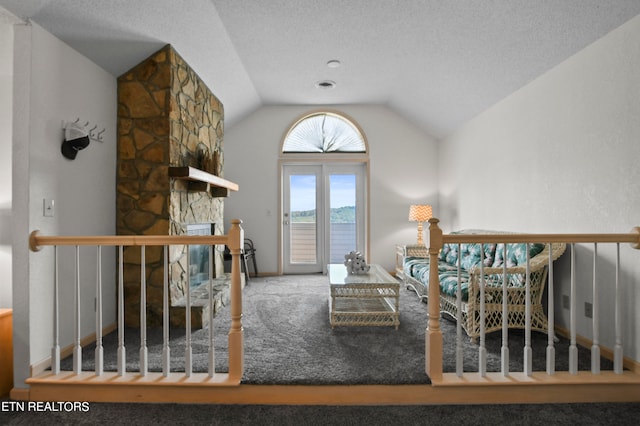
566	302
588	310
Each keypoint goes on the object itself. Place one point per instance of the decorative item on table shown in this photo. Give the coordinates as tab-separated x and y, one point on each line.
355	263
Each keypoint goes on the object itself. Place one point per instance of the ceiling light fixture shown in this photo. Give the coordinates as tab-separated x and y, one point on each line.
334	63
325	84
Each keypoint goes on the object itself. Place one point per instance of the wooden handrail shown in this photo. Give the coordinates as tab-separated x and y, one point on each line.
632	238
37	241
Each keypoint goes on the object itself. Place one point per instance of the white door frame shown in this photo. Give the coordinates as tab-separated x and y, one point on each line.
334	163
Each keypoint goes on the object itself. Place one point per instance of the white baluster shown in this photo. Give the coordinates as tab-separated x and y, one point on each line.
55	350
573	349
617	349
459	357
166	351
212	351
122	353
505	316
77	349
188	355
482	350
99	352
551	350
143	312
595	347
528	352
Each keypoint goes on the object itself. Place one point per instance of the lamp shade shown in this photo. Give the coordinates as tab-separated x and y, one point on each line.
420	213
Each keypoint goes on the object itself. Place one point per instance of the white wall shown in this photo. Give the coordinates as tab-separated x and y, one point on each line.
6	87
560	155
403	171
54	83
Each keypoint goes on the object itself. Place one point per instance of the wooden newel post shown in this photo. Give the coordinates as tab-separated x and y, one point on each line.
433	347
236	341
636	231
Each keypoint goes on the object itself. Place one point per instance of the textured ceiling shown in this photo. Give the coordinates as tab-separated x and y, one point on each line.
439	63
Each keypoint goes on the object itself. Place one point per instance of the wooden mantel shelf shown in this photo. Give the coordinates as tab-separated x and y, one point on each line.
203	181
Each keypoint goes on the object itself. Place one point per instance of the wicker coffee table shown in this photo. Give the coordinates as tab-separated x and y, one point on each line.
367	299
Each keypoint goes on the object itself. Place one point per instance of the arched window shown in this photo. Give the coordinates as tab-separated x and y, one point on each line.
324	132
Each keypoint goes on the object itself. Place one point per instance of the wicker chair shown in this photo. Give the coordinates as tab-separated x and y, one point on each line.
493	280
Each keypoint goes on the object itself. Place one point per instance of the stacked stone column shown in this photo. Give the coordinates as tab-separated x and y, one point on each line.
166	117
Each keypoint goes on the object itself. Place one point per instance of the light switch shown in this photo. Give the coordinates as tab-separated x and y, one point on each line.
49	207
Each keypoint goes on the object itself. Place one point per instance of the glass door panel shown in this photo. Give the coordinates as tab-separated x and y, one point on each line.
302	219
303	228
342	216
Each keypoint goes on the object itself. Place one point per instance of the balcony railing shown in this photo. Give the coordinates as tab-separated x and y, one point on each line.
303	241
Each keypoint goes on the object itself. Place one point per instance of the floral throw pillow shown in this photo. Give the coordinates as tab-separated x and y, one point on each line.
516	254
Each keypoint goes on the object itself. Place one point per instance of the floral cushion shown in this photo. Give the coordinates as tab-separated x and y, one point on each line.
414	264
418	267
444	252
449	283
450	248
516	254
470	254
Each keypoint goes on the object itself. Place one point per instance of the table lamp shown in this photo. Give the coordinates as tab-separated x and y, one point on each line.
420	213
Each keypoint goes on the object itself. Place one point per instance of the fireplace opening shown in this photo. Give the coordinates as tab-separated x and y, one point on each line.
199	255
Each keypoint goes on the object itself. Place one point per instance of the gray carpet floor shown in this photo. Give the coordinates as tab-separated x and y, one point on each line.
288	340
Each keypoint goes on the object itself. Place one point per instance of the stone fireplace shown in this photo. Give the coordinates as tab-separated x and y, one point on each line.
167	118
199	255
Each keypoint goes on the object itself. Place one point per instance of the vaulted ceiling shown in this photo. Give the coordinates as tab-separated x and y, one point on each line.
438	63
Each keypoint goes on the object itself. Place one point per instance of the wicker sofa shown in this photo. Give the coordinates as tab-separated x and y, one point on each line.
416	277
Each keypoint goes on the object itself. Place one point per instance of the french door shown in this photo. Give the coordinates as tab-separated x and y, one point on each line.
323	215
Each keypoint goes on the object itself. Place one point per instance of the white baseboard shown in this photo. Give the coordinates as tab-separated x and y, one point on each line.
44	364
